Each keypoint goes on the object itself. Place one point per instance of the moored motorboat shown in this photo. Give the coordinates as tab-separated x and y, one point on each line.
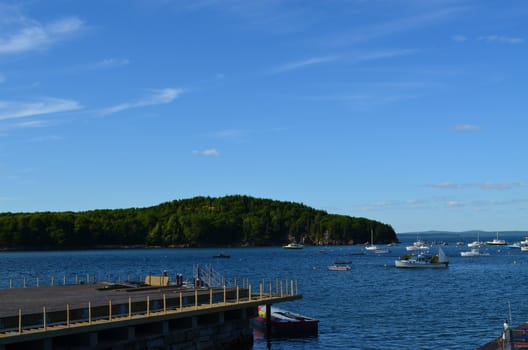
474	252
423	260
339	268
293	245
221	256
418	245
342	262
285	323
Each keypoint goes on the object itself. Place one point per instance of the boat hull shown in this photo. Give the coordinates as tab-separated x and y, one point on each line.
473	252
419	265
293	246
339	268
286	324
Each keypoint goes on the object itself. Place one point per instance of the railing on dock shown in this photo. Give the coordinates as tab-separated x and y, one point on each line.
188	300
209	276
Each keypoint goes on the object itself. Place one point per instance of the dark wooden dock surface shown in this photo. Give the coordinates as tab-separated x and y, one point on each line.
55	298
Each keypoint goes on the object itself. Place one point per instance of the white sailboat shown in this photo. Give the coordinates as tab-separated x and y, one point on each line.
477	243
496	241
371	246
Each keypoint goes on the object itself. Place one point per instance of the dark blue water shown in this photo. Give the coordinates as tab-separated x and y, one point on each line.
372	306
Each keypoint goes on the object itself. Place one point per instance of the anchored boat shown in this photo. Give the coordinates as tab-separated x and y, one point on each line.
293	245
339	268
423	260
474	252
285	323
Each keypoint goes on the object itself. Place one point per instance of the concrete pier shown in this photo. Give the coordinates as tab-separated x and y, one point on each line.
100	316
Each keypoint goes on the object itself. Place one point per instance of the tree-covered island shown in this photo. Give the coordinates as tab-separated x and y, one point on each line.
196	222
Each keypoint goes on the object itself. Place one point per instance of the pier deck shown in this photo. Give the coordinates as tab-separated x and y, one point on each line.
102	315
55	298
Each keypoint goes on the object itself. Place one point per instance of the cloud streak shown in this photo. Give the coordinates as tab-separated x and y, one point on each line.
32	36
15	110
501	39
480	185
466	127
111	63
303	64
157	97
350	59
212	152
392	27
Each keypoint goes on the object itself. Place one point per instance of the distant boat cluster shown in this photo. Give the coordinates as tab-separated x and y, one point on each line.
476	245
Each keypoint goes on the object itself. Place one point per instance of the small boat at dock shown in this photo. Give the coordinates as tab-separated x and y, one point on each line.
285	323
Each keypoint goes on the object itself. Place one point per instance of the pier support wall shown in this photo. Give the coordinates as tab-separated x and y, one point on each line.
215	331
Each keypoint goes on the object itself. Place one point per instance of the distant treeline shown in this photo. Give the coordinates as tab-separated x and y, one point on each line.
195	222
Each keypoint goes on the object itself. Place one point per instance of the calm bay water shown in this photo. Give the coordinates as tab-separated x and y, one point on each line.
372	306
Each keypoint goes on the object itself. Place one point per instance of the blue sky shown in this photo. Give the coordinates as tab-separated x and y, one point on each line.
409	112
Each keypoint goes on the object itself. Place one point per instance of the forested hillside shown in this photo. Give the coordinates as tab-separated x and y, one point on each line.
195	222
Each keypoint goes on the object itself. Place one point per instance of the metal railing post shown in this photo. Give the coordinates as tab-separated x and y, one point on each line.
148	305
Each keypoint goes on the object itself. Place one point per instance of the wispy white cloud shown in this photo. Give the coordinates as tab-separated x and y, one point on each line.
31	124
25	35
157	97
379	55
480	185
499	186
347	59
212	152
455	204
459	38
396	204
501	39
112	62
400	25
442	202
14	110
303	64
2	78
466	127
444	185
237	135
